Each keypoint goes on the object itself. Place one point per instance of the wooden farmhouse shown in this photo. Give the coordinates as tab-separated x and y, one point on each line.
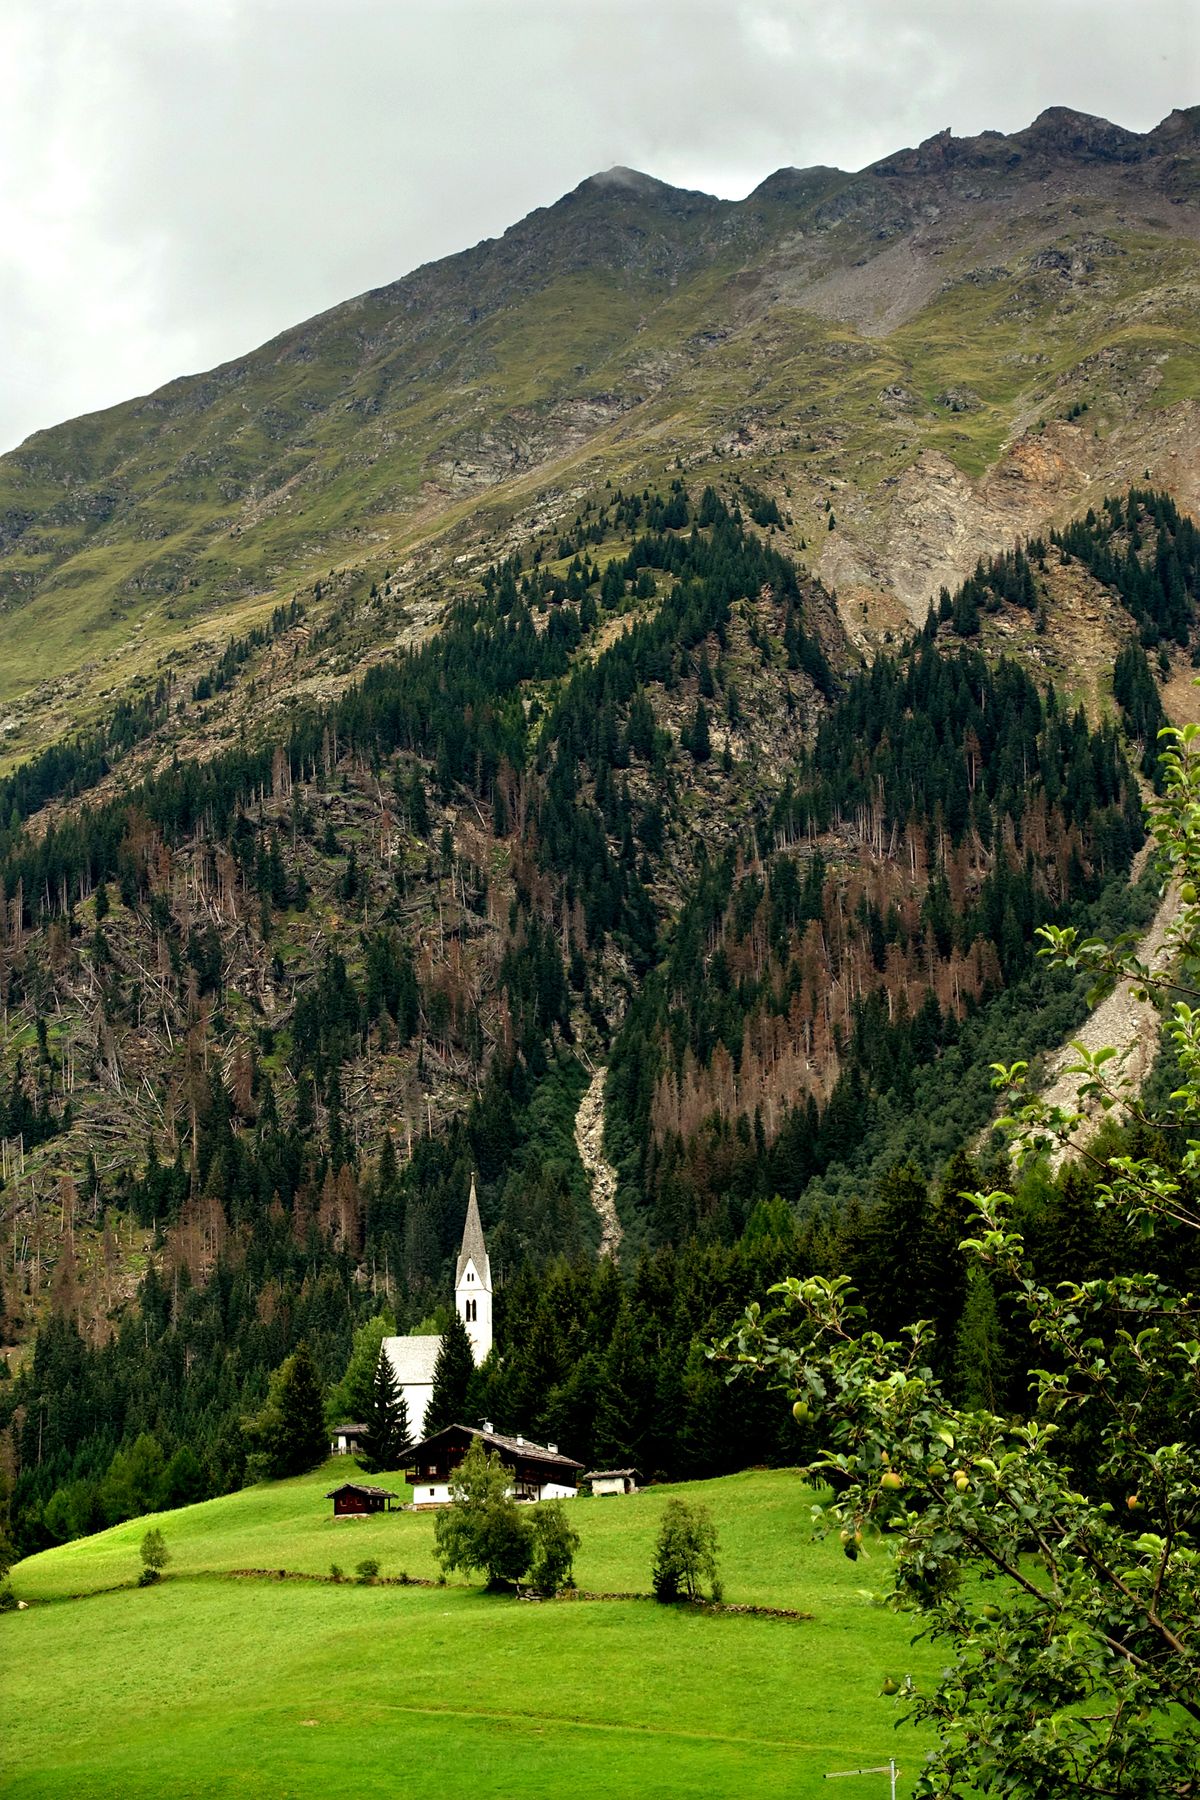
358	1499
613	1481
539	1471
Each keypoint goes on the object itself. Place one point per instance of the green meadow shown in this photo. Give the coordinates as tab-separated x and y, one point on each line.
211	1684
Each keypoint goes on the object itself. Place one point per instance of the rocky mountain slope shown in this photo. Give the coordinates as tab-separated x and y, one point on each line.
935	355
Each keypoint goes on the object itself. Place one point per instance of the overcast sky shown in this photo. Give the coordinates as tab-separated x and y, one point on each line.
180	179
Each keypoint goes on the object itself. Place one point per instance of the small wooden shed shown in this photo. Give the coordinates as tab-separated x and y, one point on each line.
357	1499
613	1481
347	1438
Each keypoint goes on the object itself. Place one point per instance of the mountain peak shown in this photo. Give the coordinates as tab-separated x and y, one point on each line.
1062	131
619	176
623	186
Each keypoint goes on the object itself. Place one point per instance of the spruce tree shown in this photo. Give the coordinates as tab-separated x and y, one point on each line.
288	1435
452	1376
698	741
980	1370
388	1436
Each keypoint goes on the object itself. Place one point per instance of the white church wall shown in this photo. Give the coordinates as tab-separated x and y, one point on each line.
473	1297
417	1396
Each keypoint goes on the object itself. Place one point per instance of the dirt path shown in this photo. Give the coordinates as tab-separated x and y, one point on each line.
1131	1026
589	1140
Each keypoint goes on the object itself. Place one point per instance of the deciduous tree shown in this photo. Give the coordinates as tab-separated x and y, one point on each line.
685	1554
483	1527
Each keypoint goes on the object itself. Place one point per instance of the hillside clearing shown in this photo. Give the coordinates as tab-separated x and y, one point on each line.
204	1686
298	1691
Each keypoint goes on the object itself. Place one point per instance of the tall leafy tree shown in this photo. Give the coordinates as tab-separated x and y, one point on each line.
350	1398
483	1527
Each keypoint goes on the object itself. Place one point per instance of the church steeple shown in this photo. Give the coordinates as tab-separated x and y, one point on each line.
473	1282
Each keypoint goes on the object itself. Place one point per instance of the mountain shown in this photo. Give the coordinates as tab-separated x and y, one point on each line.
607	713
910	345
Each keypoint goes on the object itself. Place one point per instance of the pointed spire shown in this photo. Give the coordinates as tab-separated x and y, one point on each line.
473	1248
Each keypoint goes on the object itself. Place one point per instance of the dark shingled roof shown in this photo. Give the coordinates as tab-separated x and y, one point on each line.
360	1487
496	1440
473	1247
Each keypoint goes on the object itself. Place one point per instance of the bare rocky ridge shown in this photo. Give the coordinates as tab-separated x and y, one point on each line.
589	1140
934	523
1122	1022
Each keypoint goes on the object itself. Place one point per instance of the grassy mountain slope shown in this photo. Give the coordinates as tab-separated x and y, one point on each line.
879	344
336	1683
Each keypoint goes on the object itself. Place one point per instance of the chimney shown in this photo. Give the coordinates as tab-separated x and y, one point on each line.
553	1449
488	1426
520	1439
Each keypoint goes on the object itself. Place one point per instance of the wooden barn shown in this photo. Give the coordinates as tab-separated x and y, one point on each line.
357	1499
539	1471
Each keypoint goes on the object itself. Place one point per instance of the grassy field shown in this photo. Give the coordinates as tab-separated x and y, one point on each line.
207	1685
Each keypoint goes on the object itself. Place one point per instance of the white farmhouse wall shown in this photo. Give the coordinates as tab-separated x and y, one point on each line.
431	1493
437	1493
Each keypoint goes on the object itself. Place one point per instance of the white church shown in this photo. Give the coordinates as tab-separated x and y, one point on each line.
413	1358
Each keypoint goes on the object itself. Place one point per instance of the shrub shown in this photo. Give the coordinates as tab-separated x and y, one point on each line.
8	1600
368	1569
154	1553
685	1552
555	1541
148	1577
335	1573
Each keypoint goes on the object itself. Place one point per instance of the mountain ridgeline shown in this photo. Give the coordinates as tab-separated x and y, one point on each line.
638	800
1003	322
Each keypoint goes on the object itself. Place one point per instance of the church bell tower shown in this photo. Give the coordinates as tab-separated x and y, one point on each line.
473	1283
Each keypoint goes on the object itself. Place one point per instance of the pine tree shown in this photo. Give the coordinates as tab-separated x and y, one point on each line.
288	1435
978	1351
698	741
452	1376
388	1437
